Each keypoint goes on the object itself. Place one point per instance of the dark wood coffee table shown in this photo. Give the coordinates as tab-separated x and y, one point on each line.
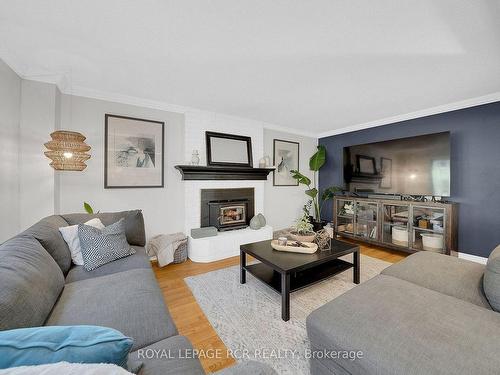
287	272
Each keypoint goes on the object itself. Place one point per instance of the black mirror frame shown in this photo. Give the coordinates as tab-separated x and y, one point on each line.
248	140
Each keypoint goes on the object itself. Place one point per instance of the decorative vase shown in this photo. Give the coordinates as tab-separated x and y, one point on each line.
303	237
264	162
195	158
262	220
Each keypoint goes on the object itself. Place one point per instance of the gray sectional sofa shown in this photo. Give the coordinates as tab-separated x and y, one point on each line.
39	286
425	315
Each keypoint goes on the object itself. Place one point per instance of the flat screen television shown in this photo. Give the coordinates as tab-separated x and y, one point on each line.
410	166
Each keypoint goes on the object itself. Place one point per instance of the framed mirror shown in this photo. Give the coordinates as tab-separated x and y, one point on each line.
366	164
228	150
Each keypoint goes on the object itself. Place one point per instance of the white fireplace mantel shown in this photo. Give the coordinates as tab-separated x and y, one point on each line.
225	244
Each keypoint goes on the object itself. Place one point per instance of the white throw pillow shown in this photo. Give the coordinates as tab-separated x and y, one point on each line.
70	235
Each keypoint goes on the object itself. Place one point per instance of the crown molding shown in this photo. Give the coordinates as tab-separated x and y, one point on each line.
61	82
127	99
285	129
467	103
10	59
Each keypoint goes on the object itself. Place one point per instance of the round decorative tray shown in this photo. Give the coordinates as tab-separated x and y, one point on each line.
308	247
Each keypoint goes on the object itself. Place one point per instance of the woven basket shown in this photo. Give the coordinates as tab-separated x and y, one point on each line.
181	254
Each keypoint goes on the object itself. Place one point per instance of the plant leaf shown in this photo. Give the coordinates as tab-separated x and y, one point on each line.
318	159
328	193
312	192
88	208
300	177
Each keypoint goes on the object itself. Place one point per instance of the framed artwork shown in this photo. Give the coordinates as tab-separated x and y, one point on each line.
133	152
366	164
229	150
285	159
386	170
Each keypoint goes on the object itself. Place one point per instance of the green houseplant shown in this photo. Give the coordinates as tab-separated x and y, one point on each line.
318	200
303	229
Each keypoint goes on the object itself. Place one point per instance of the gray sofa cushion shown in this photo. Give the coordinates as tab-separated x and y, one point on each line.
403	328
30	283
491	282
129	301
134	223
176	347
47	232
137	260
446	274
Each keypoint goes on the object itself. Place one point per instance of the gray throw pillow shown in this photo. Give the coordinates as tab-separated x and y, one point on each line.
101	246
491	280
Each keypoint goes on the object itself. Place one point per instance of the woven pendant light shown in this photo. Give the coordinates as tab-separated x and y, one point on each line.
67	150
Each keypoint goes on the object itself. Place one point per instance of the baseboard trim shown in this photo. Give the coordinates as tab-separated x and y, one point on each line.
473	258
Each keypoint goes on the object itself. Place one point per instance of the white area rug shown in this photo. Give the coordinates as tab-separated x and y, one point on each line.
248	317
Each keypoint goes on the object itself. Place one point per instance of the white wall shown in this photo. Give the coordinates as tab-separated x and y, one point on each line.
30	189
36	178
10	102
163	208
284	203
197	123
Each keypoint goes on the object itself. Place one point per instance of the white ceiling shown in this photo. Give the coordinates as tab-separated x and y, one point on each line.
310	65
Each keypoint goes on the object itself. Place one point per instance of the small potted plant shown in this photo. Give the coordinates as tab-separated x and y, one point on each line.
303	229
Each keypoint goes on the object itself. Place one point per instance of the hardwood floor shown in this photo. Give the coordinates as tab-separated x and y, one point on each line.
188	316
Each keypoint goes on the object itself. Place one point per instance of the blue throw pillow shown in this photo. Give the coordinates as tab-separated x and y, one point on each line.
74	344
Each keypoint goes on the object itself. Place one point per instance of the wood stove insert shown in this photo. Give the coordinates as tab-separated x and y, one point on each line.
227	209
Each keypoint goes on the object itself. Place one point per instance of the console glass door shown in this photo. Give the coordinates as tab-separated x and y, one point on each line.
396	228
366	220
429	229
345	216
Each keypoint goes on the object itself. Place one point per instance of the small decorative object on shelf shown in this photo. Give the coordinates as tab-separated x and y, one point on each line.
262	220
195	158
265	162
323	240
348	209
255	223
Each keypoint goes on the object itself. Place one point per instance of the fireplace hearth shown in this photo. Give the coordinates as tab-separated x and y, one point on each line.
227	209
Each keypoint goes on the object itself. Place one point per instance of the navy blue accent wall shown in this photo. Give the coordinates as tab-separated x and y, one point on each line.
475	167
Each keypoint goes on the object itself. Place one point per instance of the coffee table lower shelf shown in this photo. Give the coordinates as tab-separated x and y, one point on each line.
301	279
288	272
